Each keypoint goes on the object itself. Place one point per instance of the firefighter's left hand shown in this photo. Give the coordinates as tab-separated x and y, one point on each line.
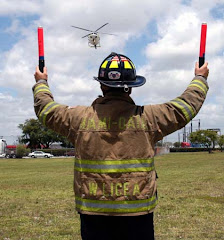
39	75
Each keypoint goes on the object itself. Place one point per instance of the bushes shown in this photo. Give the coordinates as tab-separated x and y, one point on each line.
21	151
188	149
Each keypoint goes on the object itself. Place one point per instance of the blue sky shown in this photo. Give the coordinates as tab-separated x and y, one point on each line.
218	11
9	38
71	63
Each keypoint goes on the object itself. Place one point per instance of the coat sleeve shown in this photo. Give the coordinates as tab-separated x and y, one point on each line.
62	119
168	117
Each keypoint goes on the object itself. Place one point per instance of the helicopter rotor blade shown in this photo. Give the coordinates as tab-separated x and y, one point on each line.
108	34
86	35
82	29
101	27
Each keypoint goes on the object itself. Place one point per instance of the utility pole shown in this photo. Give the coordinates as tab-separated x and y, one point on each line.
184	135
199	124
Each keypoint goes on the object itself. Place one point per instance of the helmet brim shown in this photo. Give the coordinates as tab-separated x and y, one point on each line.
139	81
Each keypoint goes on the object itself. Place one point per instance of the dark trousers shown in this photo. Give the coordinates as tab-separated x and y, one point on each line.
96	227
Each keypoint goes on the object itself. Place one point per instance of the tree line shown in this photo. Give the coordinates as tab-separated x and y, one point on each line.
207	138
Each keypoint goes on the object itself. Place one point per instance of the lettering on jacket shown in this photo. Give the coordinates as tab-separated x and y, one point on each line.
114	189
106	123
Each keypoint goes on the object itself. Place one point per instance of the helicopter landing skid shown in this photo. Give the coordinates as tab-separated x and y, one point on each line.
94	46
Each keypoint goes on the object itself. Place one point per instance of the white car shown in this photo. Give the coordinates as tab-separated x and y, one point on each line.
39	154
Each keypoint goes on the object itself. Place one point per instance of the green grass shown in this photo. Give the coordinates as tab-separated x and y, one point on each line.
37	201
191	196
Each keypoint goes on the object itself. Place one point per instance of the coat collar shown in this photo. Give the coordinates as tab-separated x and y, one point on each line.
111	96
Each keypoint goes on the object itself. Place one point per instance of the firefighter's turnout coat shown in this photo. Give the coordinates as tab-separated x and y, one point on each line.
114	172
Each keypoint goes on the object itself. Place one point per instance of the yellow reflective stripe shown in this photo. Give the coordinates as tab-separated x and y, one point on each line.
104	65
114	166
184	111
47	109
114	64
199	84
115	170
41	88
45	115
127	65
109	210
187	105
195	85
113	162
116	202
40	85
184	107
128	206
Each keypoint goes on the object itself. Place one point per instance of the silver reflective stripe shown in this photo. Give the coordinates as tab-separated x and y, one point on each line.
116	205
185	107
113	166
121	166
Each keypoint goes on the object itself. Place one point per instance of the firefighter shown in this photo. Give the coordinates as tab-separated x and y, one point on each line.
114	139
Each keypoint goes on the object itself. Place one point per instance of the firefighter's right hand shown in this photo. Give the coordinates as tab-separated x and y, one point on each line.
39	75
202	71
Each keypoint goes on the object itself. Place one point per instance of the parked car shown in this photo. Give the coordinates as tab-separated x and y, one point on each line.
39	154
70	153
10	155
2	155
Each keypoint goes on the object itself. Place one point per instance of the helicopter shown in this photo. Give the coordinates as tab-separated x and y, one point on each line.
93	36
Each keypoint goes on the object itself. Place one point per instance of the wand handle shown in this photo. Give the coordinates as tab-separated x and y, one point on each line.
40	32
202	44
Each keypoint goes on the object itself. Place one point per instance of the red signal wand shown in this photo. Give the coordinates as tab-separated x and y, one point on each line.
202	44
41	48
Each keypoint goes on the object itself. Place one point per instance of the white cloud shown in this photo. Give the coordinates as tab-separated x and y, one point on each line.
14	110
22	7
212	116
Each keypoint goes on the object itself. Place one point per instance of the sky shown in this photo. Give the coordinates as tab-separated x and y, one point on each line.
161	37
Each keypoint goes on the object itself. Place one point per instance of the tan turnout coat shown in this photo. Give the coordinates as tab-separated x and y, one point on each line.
114	141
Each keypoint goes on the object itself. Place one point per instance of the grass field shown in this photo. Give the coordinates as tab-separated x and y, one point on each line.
37	199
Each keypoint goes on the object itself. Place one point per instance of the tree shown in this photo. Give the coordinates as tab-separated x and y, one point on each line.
220	141
176	144
159	144
31	133
65	143
35	135
48	137
205	137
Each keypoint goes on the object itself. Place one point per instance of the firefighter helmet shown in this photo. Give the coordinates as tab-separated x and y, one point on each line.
118	71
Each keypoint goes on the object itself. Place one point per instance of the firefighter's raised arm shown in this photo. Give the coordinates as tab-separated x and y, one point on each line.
168	117
50	113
